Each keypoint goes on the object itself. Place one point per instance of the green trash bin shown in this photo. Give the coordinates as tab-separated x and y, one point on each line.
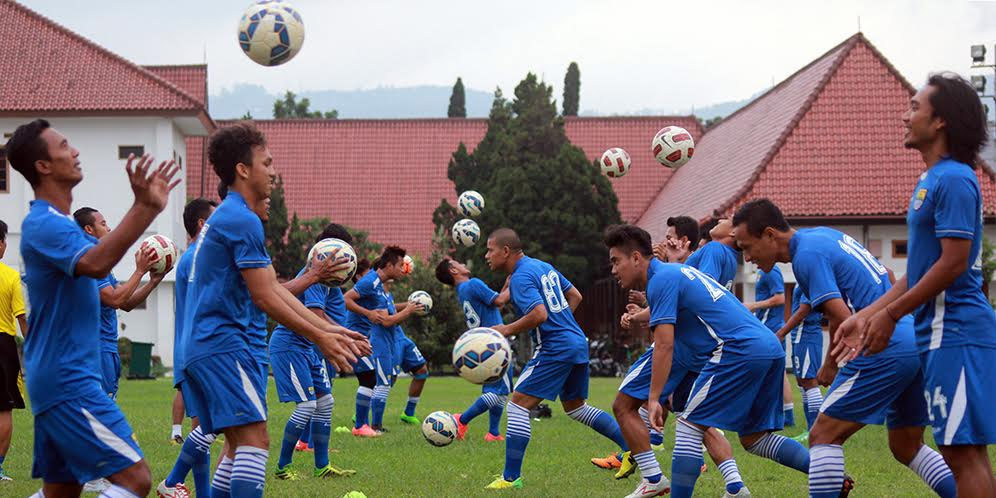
140	366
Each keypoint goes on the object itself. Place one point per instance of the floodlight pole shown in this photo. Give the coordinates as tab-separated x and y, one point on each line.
982	65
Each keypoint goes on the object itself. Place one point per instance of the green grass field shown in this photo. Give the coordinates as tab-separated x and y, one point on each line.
401	463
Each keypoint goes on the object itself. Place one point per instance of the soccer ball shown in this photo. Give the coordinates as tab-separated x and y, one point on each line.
482	355
470	203
324	248
439	428
466	232
271	32
407	265
423	298
165	252
615	162
673	146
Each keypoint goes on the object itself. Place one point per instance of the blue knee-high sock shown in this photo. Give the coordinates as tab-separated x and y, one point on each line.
221	485
321	429
410	406
494	419
686	460
480	406
826	470
931	467
194	449
249	472
656	437
783	450
789	411
300	417
813	400
602	422
306	435
202	467
363	395
519	432
378	405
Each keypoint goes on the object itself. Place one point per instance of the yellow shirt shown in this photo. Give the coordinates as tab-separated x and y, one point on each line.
11	299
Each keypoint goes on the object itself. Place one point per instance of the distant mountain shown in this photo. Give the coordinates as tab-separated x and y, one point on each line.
384	102
704	113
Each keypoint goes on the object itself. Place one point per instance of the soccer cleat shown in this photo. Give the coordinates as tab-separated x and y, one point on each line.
627	465
647	488
380	430
610	462
365	431
410	419
178	491
657	447
332	471
96	486
489	438
501	483
286	474
4	477
303	446
342	429
176	440
743	493
847	487
461	427
802	438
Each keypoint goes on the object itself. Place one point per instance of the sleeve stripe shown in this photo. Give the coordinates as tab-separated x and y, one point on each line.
76	259
952	231
825	297
664	320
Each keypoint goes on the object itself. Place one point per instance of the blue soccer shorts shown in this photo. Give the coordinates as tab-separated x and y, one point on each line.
409	358
959	387
299	376
807	357
549	379
636	383
226	390
879	389
83	439
743	396
502	386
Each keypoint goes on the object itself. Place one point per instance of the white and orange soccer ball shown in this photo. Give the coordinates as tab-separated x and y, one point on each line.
407	265
271	32
615	162
165	251
673	146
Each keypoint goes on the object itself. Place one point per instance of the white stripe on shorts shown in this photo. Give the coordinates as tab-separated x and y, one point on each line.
110	439
957	411
250	391
840	392
525	375
698	399
297	383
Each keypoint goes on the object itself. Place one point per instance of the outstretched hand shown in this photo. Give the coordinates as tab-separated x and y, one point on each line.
153	189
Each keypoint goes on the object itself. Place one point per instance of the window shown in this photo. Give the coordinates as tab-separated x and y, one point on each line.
898	248
125	150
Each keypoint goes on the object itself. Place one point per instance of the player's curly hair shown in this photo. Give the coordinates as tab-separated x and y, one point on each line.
759	214
629	238
25	147
230	146
443	272
955	101
391	255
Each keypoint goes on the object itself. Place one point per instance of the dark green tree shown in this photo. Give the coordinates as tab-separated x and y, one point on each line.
247	116
291	108
458	108
536	182
572	90
275	229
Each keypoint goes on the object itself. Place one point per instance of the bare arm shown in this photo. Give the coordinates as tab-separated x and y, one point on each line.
771	302
794	320
407	311
319	270
573	297
836	312
23	323
660	371
117	296
531	320
140	295
350	297
502	298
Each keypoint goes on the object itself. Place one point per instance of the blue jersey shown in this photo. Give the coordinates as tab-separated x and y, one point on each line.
179	301
770	284
335	306
62	352
284	339
257	334
810	328
947	203
717	260
829	264
477	301
108	317
219	313
559	338
370	295
710	323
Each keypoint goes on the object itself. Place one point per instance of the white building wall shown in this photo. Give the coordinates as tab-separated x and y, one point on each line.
105	187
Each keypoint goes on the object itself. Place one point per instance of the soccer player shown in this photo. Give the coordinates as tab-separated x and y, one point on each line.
738	386
769	307
80	433
545	301
804	330
230	273
954	323
481	307
115	296
11	311
373	312
717	257
409	359
840	275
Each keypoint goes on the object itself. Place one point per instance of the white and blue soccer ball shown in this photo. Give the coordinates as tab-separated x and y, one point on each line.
470	203
324	248
466	232
423	298
482	355
673	146
439	428
271	32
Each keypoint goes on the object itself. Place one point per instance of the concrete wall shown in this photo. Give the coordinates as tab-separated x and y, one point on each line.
105	187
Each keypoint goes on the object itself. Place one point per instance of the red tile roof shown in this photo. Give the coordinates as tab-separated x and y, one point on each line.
94	81
826	142
191	78
389	175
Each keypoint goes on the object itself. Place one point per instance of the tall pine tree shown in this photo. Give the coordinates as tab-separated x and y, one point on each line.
537	183
572	90
458	107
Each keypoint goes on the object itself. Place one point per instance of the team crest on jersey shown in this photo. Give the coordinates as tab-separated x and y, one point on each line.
921	194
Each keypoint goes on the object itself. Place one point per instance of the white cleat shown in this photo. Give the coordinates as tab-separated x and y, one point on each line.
647	488
743	493
96	486
178	491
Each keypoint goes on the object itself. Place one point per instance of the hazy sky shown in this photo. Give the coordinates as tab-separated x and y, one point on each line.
633	54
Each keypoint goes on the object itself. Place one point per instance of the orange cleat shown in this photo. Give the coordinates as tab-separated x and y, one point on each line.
610	462
365	431
461	427
488	438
